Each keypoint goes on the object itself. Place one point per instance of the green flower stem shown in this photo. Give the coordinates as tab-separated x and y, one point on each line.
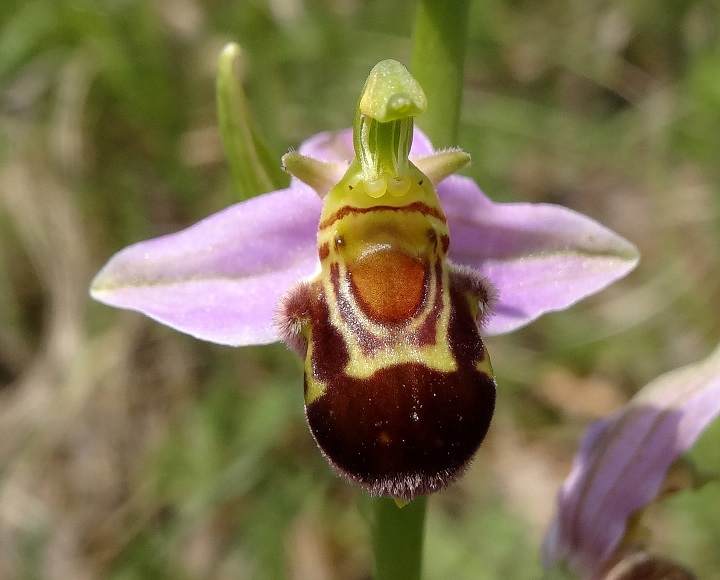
397	538
438	62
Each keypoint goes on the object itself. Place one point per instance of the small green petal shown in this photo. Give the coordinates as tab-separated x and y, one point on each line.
441	165
320	175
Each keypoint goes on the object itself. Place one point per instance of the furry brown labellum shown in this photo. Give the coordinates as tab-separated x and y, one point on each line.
399	389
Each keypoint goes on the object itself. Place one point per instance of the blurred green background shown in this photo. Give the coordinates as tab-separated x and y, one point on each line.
130	451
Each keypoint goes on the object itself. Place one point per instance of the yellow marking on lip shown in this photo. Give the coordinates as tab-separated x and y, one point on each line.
485	366
314	388
437	357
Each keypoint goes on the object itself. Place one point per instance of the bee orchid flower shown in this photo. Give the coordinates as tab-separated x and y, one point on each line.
381	269
626	462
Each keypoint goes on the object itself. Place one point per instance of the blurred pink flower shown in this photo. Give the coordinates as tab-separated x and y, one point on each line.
623	461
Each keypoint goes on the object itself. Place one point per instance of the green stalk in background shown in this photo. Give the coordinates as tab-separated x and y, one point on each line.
254	169
438	63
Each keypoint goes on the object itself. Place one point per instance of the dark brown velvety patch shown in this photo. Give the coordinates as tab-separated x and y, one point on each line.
329	346
407	430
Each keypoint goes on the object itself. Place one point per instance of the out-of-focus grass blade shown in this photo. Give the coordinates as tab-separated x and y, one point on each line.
21	35
253	167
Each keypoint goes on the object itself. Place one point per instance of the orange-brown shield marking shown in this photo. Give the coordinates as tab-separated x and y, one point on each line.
389	285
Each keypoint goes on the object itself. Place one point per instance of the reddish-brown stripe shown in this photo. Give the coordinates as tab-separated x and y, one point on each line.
417	206
324	251
368	342
426	334
445	241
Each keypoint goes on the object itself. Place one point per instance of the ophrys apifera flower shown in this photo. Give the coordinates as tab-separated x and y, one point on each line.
381	269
